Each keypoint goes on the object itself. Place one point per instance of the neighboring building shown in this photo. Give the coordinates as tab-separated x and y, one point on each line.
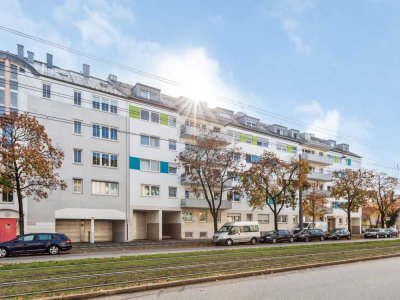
121	144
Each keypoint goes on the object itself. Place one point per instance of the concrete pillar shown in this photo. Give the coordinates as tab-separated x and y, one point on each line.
160	222
92	230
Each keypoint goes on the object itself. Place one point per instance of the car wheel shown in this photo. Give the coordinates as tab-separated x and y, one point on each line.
253	241
54	250
338	238
349	237
307	239
321	238
3	252
274	240
228	242
291	240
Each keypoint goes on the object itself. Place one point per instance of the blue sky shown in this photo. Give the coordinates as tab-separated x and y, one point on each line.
333	66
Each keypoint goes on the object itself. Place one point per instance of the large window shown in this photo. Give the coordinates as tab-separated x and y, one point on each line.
77	98
77	187
234	217
96	103
96	130
114	106
77	127
77	156
152	141
104	188
7	197
46	91
282	218
105	132
187	216
263	218
105	104
149	165
150	190
105	159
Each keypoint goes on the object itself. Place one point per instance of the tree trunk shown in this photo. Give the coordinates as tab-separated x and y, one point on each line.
21	221
383	220
215	219
349	220
275	221
301	207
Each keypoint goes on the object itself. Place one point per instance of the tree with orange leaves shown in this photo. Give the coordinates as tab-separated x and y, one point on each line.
369	210
29	160
315	204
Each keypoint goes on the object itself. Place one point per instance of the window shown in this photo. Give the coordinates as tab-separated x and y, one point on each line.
150	190
203	217
281	147
234	196
282	218
46	91
172	168
144	140
172	191
171	121
203	234
104	188
263	218
251	124
77	186
7	197
2	97
172	145
77	98
26	238
149	165
77	127
295	219
96	159
42	237
114	106
262	142
249	217
340	221
151	141
114	161
14	72
77	156
105	159
187	216
234	217
114	134
148	95
145	115
105	132
2	67
96	103
188	234
14	100
155	117
105	104
96	130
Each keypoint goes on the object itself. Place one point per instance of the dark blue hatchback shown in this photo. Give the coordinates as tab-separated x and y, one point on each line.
52	243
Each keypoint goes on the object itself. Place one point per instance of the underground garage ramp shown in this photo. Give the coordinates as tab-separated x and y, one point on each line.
78	230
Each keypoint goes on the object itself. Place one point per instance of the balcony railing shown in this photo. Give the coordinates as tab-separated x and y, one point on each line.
186	179
202	203
195	133
317	176
322	160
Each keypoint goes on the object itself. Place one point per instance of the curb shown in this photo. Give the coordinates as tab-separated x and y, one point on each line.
170	284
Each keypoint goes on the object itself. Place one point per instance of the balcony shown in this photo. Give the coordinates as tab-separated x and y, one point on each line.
318	159
196	133
317	176
202	203
186	179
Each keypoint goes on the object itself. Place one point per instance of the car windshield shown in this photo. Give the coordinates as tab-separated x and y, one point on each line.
225	229
372	230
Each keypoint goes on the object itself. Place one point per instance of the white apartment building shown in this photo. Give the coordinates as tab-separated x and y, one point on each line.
121	144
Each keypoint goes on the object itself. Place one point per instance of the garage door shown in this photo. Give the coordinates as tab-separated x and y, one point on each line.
72	228
140	225
103	231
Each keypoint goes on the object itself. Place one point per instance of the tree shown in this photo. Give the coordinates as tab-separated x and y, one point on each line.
271	181
382	191
369	210
315	204
352	185
29	160
211	167
301	183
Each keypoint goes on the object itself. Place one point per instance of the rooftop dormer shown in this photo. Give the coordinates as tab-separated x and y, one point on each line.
146	92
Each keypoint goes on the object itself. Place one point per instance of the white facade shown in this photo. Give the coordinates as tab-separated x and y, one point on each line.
141	196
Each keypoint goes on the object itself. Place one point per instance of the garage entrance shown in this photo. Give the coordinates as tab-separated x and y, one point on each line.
171	225
79	230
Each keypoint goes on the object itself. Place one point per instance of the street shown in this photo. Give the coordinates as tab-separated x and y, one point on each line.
365	280
118	250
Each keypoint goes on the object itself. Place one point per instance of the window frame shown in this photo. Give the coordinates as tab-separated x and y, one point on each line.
73	186
172	188
76	151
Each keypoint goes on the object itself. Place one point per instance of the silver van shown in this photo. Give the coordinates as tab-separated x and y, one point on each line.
237	232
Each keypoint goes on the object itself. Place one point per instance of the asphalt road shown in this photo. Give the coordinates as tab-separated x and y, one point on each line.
118	251
378	279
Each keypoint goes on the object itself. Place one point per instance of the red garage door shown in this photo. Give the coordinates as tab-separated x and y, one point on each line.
8	229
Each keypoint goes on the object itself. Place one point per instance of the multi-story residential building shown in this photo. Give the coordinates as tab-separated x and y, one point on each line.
121	144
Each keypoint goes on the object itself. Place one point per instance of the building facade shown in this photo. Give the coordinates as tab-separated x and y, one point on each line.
121	144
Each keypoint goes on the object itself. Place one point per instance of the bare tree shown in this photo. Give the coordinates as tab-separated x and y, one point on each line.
353	187
212	166
271	181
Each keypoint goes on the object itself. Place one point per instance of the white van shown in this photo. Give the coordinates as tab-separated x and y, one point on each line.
237	232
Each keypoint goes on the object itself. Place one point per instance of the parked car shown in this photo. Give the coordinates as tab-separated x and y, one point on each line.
52	243
392	232
375	233
310	235
310	225
339	233
237	232
275	236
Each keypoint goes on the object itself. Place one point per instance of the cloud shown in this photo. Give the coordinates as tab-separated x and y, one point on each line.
313	108
291	14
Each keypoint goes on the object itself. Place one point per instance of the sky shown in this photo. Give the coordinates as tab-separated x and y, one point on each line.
331	68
